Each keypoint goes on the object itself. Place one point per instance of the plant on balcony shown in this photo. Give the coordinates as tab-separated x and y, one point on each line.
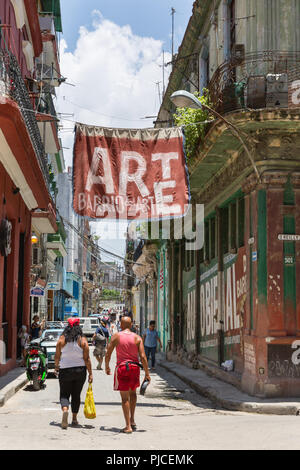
191	120
110	294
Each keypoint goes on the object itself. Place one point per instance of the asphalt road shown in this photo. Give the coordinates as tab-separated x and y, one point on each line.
170	416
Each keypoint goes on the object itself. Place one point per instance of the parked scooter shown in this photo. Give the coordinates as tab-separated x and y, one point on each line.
36	366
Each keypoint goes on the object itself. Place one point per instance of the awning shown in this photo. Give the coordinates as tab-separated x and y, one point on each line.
66	294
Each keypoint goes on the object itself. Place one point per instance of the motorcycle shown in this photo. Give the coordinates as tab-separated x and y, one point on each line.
36	366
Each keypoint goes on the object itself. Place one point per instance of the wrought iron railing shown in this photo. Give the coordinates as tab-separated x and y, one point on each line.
257	80
13	86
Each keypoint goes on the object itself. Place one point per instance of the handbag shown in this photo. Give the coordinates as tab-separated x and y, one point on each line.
89	404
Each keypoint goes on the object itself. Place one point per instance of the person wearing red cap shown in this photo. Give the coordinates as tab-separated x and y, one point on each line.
72	360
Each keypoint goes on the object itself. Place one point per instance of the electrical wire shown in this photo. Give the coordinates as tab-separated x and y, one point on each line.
101	114
88	241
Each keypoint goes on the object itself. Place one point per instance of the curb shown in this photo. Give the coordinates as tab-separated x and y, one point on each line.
12	388
237	405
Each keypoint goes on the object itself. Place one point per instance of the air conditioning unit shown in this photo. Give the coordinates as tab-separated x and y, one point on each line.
277	90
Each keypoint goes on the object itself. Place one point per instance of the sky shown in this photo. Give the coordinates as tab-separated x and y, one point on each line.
111	52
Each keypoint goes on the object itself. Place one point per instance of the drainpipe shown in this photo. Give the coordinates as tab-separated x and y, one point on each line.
221	297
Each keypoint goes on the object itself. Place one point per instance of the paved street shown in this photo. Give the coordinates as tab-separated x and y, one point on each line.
170	416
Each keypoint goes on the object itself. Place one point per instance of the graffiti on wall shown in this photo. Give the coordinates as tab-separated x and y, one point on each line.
284	361
191	313
235	279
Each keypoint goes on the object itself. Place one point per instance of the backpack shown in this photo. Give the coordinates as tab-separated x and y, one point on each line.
100	337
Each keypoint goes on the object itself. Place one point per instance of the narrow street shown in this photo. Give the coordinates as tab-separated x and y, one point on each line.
170	416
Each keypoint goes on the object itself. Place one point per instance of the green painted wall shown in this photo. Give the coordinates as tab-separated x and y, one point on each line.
163	325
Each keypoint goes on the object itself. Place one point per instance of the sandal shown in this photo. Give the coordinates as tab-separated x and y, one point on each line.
124	431
64	422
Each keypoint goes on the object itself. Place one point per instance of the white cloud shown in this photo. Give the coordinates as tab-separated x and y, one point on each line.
115	73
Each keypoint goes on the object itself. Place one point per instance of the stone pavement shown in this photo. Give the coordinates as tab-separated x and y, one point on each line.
11	382
227	396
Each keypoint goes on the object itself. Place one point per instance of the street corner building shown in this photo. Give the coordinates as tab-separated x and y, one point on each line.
238	298
28	139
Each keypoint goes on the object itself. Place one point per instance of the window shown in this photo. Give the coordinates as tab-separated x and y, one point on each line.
213	238
241	222
233	226
204	69
210	251
206	240
224	228
75	290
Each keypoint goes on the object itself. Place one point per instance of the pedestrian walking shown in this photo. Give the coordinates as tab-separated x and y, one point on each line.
100	339
25	340
36	327
150	339
129	347
72	360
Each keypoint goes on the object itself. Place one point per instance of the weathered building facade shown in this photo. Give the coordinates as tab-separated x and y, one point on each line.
238	298
26	199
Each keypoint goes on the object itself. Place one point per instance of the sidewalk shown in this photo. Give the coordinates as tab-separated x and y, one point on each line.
227	396
11	383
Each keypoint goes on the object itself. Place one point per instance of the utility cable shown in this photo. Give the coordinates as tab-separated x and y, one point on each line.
97	247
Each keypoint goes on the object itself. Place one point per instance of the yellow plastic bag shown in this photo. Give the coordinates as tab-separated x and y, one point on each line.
89	404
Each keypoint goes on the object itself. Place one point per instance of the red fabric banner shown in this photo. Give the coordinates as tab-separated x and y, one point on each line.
129	173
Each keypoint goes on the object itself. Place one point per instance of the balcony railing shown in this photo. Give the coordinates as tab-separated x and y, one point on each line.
255	81
13	86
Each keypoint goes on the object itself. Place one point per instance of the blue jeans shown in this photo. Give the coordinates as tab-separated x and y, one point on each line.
151	351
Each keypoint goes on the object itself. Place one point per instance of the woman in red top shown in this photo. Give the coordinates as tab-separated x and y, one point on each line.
130	348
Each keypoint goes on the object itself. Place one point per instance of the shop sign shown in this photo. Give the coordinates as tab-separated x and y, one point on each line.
37	292
289	238
53	286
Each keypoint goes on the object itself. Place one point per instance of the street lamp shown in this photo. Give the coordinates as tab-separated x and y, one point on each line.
34	239
184	99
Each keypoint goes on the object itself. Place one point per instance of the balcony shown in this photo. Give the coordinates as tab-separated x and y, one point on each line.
44	221
255	81
259	94
12	86
48	70
47	123
56	242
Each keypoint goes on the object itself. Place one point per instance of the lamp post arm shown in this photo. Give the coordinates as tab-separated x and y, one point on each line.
236	132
